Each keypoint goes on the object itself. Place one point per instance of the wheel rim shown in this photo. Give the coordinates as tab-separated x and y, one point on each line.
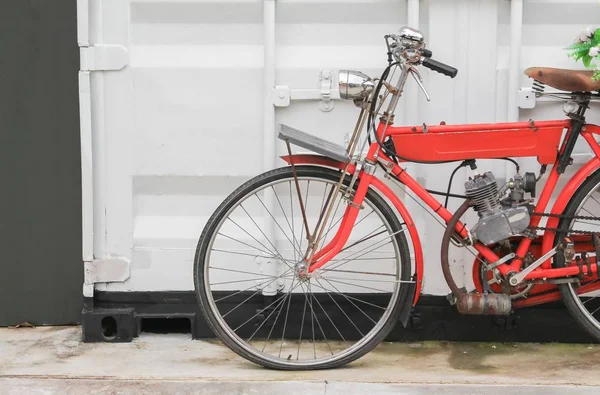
587	302
348	300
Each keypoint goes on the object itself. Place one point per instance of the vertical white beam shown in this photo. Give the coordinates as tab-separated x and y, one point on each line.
514	68
268	85
269	131
85	130
98	144
516	30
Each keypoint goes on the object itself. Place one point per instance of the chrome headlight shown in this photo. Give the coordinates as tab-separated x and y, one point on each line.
354	85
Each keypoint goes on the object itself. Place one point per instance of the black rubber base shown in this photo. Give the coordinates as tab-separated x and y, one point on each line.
121	316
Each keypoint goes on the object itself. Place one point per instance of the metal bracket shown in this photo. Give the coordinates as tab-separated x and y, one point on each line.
526	98
326	104
283	95
103	57
109	270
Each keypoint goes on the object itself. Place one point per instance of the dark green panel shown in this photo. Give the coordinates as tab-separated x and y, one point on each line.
41	272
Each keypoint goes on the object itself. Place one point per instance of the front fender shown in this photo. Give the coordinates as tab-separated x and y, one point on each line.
382	188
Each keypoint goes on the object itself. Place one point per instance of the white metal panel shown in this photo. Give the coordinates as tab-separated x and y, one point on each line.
182	125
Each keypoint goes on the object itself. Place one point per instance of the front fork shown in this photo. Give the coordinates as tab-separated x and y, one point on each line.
329	251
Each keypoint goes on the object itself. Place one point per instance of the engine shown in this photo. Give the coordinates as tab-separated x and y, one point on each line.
501	216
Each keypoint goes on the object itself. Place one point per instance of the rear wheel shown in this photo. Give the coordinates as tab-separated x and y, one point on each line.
583	300
247	281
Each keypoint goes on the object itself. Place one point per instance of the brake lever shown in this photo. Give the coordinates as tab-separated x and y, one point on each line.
417	76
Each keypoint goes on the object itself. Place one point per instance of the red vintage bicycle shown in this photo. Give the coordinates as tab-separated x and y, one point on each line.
311	265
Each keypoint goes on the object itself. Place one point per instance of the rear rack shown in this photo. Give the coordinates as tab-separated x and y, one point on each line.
314	143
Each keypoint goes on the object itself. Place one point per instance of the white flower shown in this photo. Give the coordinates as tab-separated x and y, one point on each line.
586	34
590	31
594	51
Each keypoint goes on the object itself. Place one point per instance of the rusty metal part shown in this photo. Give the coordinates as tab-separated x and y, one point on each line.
588	264
486	304
308	237
569	250
564	80
445	245
474	303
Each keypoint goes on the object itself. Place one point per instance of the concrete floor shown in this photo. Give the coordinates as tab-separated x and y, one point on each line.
53	360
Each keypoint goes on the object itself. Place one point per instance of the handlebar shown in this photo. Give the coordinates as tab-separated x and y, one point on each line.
439	66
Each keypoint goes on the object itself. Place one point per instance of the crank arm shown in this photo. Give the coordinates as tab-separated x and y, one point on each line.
500	261
519	277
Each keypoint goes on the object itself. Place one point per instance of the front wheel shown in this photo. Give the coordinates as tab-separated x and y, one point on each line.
247	281
583	300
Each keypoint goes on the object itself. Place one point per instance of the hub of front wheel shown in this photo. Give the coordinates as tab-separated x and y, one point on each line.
301	270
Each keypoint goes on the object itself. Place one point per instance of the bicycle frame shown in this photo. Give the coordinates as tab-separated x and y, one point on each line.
367	179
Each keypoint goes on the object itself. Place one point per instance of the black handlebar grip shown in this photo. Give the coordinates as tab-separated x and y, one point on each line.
426	53
440	67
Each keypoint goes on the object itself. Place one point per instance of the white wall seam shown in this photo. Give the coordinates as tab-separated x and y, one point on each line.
269	160
516	33
85	126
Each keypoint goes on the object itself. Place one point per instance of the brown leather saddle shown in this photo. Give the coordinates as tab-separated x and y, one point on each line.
564	80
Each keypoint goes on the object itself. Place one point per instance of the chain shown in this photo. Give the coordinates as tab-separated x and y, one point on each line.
562	216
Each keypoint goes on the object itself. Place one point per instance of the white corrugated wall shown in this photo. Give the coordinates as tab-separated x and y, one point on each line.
167	134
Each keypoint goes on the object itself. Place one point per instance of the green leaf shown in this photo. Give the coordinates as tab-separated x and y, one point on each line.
581	46
587	59
597	35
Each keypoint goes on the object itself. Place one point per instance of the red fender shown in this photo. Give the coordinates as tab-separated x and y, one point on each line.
387	192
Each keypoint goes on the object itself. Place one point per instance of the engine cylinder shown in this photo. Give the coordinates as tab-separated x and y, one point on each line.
483	192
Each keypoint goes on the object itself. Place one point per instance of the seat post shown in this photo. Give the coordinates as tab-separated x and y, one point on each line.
578	120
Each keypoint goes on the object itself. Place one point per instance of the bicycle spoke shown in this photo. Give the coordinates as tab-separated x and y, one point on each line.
242	253
359	272
268	252
360	286
260	311
305	205
586	222
367	237
348	296
276	253
276	222
294	244
249	288
596	200
260	230
339	307
588	211
331	227
330	320
317	319
296	258
353	256
286	318
243	272
247	299
378	281
301	328
353	304
351	259
267	319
